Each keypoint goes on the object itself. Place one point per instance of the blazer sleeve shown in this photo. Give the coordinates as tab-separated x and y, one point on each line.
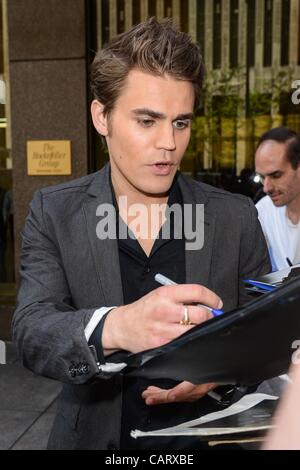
254	256
47	330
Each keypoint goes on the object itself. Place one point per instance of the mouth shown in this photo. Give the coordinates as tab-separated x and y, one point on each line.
162	168
275	196
163	164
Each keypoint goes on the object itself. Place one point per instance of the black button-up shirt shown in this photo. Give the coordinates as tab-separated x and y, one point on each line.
137	273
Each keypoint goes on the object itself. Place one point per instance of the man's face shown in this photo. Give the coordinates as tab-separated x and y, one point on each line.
148	132
281	181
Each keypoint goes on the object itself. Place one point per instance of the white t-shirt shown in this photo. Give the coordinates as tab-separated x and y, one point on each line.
283	237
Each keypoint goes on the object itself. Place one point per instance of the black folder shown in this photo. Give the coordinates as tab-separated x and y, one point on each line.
244	346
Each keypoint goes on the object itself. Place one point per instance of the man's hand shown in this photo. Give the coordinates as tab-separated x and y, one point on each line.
184	392
154	320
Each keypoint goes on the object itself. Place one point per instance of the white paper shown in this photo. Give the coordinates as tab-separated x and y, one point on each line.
187	428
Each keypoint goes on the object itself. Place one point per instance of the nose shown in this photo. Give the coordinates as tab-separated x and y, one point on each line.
268	186
166	137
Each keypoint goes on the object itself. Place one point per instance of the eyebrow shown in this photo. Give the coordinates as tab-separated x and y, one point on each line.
270	174
157	115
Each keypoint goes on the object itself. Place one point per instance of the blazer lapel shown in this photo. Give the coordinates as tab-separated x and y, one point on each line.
198	262
105	251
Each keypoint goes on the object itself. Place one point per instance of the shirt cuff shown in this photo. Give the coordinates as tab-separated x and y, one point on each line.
93	334
95	320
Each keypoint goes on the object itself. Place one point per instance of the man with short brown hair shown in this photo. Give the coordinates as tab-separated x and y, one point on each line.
88	288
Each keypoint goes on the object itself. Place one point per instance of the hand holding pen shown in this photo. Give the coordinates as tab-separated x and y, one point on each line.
157	318
165	281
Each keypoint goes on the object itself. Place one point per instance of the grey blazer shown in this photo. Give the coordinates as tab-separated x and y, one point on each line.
67	273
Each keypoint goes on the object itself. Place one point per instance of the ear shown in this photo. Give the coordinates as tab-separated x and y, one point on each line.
99	119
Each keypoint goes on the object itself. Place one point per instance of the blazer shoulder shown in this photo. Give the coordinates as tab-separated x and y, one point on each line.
78	185
63	200
219	197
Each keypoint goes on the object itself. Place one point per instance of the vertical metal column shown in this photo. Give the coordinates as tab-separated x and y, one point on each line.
294	32
176	11
113	18
128	14
144	9
160	9
225	45
193	19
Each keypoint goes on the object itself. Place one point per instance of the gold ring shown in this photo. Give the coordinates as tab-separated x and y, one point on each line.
185	319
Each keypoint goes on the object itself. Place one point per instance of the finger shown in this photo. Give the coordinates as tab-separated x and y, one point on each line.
210	387
168	313
158	397
200	391
196	314
155	395
166	325
183	387
151	391
181	391
187	392
173	329
192	293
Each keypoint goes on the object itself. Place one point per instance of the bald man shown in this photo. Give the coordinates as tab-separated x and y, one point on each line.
277	161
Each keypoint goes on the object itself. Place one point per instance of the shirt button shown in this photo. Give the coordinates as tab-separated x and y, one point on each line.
86	369
148	270
72	370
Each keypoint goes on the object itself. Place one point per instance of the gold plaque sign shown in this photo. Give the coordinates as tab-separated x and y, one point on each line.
48	157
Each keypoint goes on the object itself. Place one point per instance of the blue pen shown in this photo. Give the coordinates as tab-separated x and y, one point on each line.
261	285
165	281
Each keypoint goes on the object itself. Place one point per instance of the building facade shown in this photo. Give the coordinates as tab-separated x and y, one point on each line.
251	49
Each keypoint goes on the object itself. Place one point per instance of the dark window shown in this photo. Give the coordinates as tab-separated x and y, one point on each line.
168	8
285	29
1	43
201	24
251	32
217	34
184	15
287	106
136	11
152	8
234	32
7	262
121	16
105	21
299	39
268	36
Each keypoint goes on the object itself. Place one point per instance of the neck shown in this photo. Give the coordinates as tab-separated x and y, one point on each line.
134	196
145	224
293	210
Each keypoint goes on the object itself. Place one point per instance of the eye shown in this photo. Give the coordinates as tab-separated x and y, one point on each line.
146	122
277	175
180	125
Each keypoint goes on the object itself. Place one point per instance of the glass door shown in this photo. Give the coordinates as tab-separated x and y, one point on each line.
7	269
